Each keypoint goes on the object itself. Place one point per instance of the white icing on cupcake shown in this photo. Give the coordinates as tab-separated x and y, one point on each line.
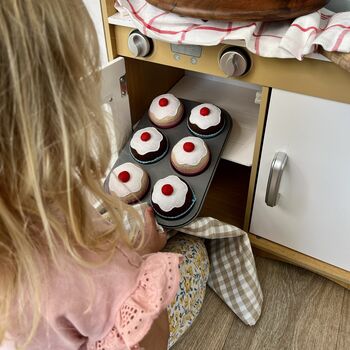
176	199
160	112
147	146
205	121
132	185
188	156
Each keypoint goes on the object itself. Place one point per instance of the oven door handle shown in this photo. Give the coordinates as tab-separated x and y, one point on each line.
273	184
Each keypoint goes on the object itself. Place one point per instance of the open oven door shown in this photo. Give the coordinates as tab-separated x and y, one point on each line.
116	108
115	104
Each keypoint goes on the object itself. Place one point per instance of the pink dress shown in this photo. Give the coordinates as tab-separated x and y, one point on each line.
111	307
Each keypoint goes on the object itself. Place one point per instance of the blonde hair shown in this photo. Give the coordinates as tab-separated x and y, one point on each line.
54	147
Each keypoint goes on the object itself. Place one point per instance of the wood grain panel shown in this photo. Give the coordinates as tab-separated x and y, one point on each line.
301	311
210	329
240	10
344	329
264	254
293	257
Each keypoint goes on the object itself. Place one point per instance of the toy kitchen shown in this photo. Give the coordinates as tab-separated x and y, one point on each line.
283	175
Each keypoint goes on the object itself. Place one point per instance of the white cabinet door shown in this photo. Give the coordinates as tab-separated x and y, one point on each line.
115	102
312	214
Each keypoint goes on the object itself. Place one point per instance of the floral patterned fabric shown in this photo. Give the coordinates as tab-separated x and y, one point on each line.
194	272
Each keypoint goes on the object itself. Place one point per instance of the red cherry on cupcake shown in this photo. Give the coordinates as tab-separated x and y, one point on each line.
145	136
163	102
204	111
124	176
188	146
167	190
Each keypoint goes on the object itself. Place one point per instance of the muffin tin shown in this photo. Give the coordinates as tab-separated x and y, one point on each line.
199	183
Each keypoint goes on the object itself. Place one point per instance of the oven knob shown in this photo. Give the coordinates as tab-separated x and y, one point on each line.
234	62
139	44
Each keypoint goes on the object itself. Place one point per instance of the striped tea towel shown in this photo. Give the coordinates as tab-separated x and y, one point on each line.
287	39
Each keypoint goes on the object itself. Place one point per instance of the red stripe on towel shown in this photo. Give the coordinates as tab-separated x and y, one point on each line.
267	35
155	17
258	37
183	35
304	29
317	29
340	39
172	32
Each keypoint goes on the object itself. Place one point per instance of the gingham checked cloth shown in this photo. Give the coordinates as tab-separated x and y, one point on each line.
286	39
233	273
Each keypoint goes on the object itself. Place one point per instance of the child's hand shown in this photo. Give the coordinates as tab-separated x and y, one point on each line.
155	240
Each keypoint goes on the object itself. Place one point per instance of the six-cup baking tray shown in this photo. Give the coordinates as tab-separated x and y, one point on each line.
199	183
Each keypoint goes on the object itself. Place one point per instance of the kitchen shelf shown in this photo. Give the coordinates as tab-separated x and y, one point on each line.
237	98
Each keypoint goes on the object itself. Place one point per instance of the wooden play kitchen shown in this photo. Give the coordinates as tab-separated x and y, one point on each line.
284	172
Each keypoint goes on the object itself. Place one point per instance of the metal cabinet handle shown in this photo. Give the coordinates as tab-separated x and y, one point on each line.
276	170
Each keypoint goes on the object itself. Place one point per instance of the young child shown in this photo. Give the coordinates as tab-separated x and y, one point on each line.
70	280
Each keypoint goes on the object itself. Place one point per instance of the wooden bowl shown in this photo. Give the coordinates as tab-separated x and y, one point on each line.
241	10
